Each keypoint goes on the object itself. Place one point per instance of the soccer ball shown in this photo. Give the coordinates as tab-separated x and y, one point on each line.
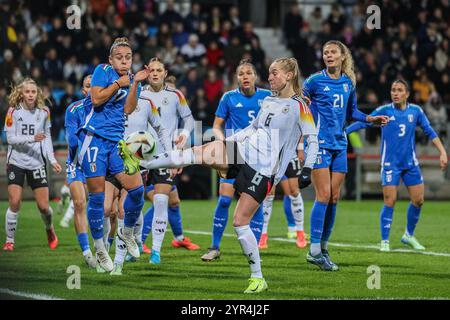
141	144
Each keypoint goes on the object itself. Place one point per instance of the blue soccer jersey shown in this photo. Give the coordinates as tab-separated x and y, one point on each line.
398	148
239	110
107	120
75	116
333	101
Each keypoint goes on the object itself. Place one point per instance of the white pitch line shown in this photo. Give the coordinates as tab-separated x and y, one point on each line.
343	245
34	296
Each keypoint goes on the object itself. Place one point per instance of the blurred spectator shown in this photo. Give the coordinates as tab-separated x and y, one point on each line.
423	87
214	53
151	48
247	34
202	110
437	114
233	17
170	16
191	82
233	53
215	20
315	20
7	68
169	52
213	87
193	50
179	36
194	18
73	71
336	19
293	23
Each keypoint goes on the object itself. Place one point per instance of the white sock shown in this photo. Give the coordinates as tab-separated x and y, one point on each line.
298	210
99	245
121	251
65	190
47	218
180	237
138	228
10	225
315	249
267	208
106	229
69	212
171	159
250	249
292	229
86	252
160	217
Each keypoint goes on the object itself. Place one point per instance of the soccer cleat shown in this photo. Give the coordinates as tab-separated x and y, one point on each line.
146	249
131	244
292	235
412	242
263	241
90	260
129	258
155	257
327	257
256	285
8	246
117	270
384	247
52	238
320	261
139	244
130	162
301	240
99	269
211	255
104	261
186	243
64	223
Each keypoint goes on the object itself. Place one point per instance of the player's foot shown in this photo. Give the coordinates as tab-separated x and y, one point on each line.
130	242
256	285
155	257
129	258
8	246
107	246
130	162
412	242
320	261
384	246
52	238
90	260
99	269
292	235
64	223
141	249
104	261
327	257
211	255
146	249
117	270
301	239
263	241
186	243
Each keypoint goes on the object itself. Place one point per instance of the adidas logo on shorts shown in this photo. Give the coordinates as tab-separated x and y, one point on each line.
252	188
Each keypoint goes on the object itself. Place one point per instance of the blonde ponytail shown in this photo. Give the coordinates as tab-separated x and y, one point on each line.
291	65
348	66
119	42
16	95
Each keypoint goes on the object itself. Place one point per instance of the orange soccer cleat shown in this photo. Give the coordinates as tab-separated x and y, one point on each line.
186	242
301	239
146	249
9	246
263	241
52	239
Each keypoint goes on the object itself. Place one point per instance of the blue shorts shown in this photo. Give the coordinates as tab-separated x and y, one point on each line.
74	173
336	160
98	156
230	181
151	187
411	177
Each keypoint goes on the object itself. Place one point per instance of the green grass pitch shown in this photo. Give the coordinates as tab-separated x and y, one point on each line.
34	268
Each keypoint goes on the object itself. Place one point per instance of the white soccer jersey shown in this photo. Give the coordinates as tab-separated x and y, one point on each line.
21	125
145	118
270	142
172	107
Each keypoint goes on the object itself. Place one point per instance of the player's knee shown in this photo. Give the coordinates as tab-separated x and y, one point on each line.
335	197
79	206
390	200
224	201
174	202
44	209
418	202
324	195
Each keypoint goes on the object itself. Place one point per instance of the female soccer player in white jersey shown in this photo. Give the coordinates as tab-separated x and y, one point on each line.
27	127
332	92
114	91
399	161
171	107
263	152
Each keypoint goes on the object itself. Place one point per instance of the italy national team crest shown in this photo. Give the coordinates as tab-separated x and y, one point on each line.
410	117
93	167
345	87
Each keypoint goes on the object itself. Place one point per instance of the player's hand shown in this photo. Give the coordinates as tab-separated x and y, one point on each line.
142	75
305	178
39	137
56	167
124	81
443	161
301	155
180	141
378	120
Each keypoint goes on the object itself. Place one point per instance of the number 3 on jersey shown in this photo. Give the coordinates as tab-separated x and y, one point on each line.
402	130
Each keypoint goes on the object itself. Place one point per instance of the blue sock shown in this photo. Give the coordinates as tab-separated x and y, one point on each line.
83	240
110	240
386	221
257	223
330	216
317	221
95	213
132	206
175	221
412	218
288	211
220	220
147	226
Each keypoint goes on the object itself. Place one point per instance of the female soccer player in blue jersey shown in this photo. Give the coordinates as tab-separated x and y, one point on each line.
333	100
75	116
236	110
114	91
399	161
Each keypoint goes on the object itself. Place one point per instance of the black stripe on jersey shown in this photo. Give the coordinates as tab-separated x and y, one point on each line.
42	155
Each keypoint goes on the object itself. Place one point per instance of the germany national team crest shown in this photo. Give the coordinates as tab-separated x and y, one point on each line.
165	101
93	167
285	109
345	87
12	176
410	117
